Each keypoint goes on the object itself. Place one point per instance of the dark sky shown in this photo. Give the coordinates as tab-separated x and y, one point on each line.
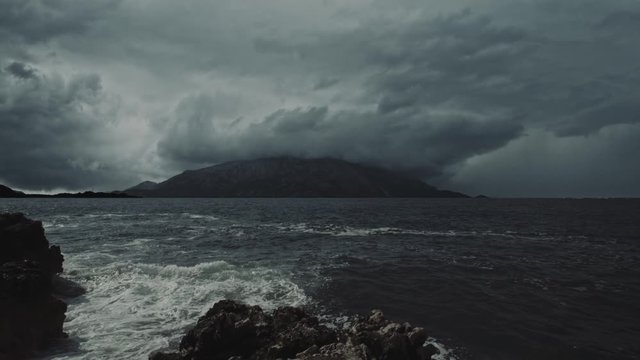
505	98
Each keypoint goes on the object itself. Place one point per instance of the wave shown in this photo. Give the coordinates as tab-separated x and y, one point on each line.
138	242
151	216
337	230
200	216
132	309
53	225
444	353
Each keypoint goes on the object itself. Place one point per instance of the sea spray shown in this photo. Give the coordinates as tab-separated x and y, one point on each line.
131	309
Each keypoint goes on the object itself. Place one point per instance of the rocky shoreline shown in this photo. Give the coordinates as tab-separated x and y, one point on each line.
31	316
235	331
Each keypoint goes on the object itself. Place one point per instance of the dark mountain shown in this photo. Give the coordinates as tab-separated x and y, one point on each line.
290	177
8	192
145	185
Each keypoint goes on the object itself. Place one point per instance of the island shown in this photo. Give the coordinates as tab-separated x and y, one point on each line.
291	177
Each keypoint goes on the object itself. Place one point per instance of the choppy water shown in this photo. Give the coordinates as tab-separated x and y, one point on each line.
489	279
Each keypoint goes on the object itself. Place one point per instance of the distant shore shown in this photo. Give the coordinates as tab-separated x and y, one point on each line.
7	192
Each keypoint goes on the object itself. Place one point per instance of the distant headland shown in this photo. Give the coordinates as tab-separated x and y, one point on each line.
6	192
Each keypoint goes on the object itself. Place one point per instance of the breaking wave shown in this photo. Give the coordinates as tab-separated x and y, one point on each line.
133	309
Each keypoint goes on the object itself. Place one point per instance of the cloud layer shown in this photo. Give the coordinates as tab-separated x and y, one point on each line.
506	98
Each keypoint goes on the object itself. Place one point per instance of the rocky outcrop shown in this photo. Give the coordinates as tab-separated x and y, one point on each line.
30	316
236	331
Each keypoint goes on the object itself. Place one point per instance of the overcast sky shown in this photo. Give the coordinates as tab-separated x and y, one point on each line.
499	97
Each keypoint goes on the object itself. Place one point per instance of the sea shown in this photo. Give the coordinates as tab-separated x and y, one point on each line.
487	278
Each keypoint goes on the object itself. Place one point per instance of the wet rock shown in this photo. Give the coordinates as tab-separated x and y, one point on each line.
22	280
66	288
30	316
296	331
346	351
23	239
236	331
226	330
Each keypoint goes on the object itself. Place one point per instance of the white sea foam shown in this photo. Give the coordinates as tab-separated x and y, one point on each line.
139	242
50	225
200	216
58	222
127	215
444	352
132	309
345	322
387	230
336	230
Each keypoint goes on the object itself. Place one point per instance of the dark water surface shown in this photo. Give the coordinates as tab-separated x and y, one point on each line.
489	279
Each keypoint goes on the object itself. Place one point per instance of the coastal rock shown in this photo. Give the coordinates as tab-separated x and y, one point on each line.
230	330
24	239
66	288
30	316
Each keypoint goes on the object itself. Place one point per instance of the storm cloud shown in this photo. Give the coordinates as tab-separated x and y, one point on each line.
505	98
421	142
56	133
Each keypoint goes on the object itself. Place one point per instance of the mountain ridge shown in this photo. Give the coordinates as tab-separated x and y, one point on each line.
290	177
6	191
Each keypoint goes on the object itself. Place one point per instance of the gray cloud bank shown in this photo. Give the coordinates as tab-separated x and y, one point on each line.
56	133
525	98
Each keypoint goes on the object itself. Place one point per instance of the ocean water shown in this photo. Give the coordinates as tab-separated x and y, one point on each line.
488	279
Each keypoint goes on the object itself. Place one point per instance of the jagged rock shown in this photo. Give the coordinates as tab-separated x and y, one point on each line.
228	329
66	288
236	331
30	316
346	351
23	280
23	239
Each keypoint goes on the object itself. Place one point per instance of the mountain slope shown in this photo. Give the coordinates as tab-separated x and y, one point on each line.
144	186
8	192
291	177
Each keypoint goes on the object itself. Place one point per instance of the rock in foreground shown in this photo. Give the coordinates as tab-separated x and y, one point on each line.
30	316
231	330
